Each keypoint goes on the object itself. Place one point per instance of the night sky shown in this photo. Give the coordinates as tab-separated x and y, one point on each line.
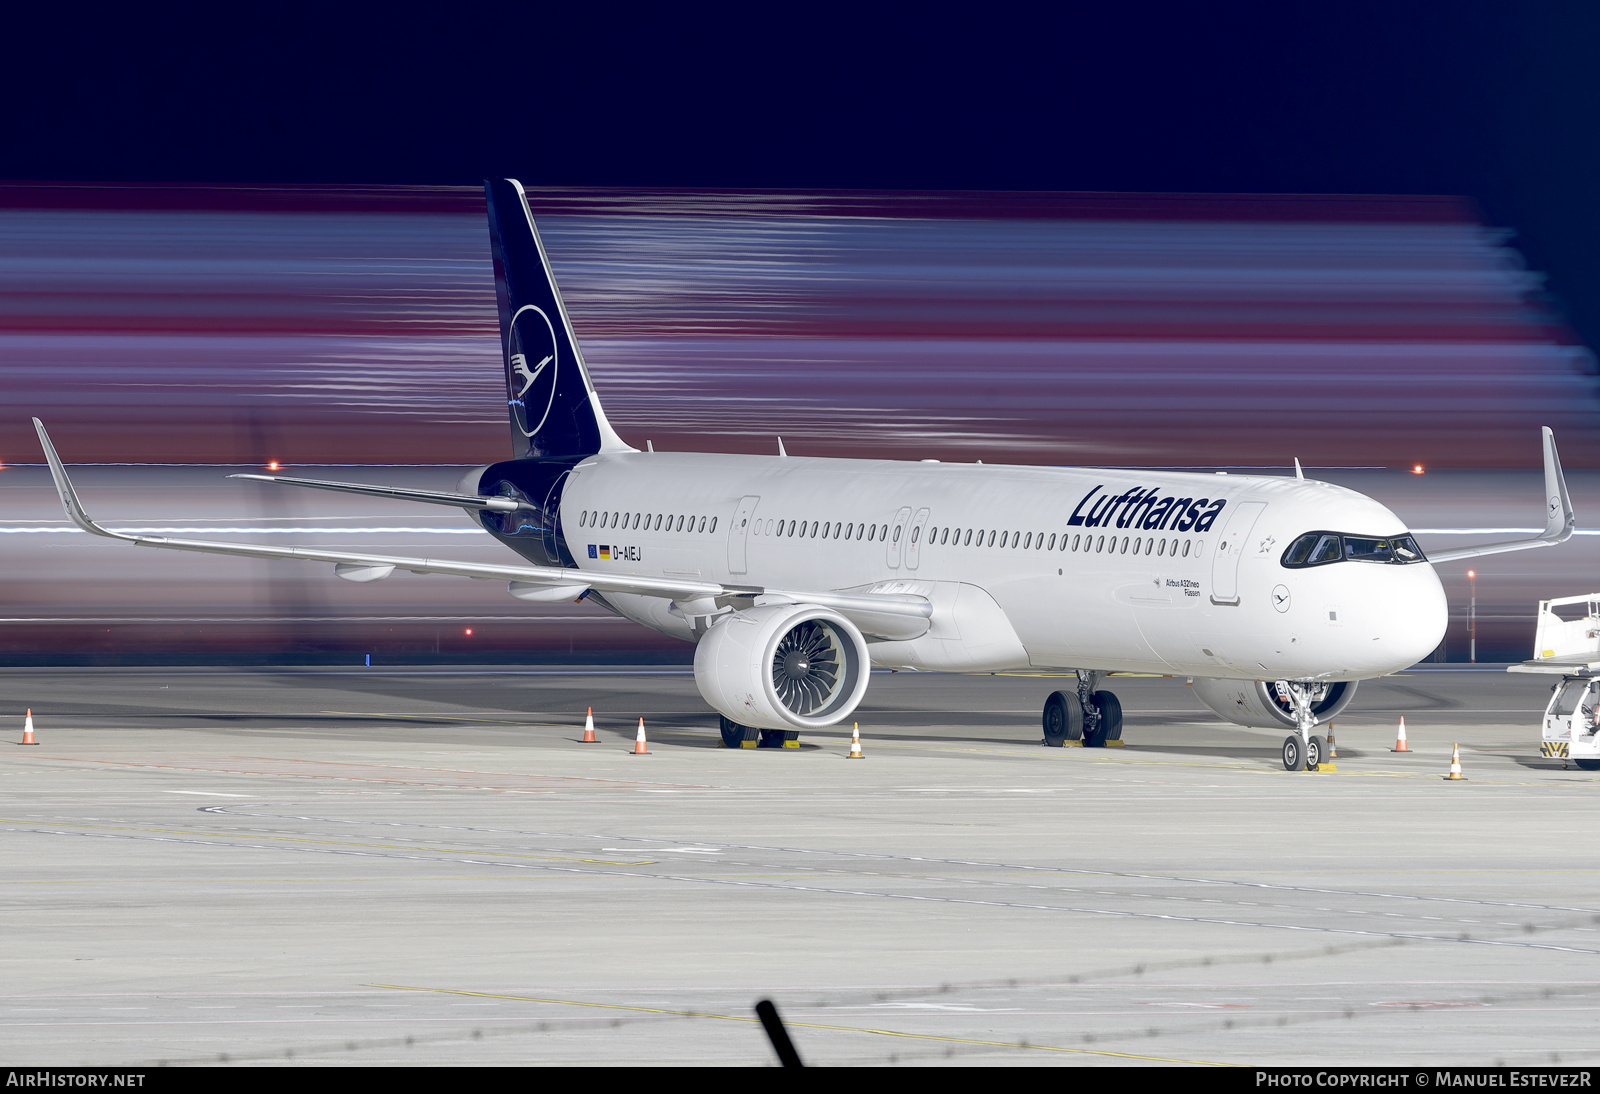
1073	238
1496	102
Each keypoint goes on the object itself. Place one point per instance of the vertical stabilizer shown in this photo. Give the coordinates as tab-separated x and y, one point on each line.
553	406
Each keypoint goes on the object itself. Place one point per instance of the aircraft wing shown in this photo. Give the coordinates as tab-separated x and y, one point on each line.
1560	520
898	616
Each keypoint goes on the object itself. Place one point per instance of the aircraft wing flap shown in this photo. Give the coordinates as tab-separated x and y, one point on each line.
539	575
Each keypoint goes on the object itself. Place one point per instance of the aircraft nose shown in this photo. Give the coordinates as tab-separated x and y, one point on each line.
1411	616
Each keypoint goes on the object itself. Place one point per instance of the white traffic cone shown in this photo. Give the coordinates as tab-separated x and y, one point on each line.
638	742
1400	741
1455	766
855	743
588	728
27	729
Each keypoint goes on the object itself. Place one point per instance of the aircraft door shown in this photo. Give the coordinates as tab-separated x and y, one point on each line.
1225	563
897	535
739	532
914	540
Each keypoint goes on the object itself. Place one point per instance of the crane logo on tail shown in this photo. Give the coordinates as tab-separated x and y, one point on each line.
532	367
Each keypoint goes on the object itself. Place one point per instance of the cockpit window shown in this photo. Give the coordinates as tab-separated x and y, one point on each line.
1322	548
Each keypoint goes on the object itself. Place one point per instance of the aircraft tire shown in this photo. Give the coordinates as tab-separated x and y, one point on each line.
1110	715
1588	765
1294	753
734	735
1063	719
1316	752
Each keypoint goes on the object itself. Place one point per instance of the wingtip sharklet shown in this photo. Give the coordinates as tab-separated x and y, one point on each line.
1560	520
64	490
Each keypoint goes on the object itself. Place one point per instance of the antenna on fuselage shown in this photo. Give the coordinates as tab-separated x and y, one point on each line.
1299	474
781	452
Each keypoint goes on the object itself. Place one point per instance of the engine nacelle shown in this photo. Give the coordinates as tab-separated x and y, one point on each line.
1255	702
783	666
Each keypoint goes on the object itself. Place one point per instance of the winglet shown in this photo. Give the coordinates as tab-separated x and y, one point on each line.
1560	520
69	496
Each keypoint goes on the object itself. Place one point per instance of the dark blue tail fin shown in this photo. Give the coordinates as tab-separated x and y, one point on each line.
554	409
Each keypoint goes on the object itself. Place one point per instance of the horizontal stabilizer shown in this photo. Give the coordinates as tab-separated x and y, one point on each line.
399	493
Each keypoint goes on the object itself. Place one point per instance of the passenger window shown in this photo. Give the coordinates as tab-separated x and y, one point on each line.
897	533
1003	536
915	533
872	533
1029	542
713	524
968	542
1052	546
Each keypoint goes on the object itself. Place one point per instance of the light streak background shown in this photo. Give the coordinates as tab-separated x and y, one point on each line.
209	326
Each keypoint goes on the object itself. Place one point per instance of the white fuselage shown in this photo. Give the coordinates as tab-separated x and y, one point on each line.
1064	574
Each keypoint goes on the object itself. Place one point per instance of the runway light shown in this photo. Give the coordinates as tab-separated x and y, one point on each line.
469	632
273	466
1472	573
1416	469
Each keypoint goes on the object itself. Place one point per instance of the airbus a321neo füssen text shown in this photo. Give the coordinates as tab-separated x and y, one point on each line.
794	576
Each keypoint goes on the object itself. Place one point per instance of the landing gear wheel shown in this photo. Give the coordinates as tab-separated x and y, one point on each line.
1316	752
735	735
1588	765
1294	753
1063	719
1110	715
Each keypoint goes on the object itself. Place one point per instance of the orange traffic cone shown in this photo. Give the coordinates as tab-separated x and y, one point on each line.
855	743
1333	749
588	728
1400	741
27	729
1455	766
638	742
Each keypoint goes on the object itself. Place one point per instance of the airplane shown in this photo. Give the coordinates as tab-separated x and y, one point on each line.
795	576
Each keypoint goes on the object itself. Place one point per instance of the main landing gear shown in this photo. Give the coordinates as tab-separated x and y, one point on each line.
1302	749
1086	714
735	735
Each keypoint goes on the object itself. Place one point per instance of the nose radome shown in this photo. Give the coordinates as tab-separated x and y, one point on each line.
1410	620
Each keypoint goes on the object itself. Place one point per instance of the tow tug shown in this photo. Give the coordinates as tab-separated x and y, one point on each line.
1567	644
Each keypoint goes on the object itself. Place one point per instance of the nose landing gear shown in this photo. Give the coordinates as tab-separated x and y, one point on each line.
1302	749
